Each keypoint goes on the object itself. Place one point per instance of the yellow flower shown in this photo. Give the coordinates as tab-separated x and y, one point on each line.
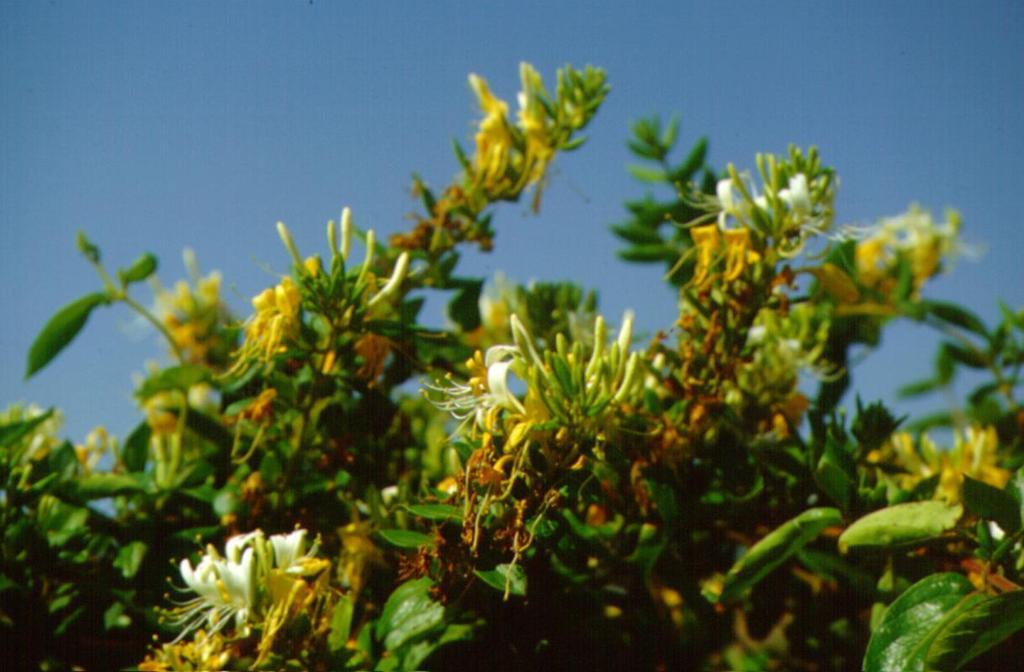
276	318
533	121
161	413
97	443
870	256
705	239
973	454
708	243
914	236
737	253
493	138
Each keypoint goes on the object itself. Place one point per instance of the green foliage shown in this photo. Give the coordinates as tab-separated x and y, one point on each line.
942	623
560	491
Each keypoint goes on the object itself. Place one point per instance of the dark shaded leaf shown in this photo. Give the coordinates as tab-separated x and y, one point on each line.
773	550
405	538
505	577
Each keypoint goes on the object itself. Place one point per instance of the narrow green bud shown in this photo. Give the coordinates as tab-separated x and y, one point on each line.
332	238
523	340
395	282
346	233
286	238
625	332
371	242
86	247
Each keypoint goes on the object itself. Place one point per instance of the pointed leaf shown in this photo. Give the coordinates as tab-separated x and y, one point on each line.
437	512
991	503
774	549
942	623
901	525
61	330
505	577
405	538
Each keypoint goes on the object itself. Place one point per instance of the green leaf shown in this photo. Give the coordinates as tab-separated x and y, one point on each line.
918	387
405	538
910	619
114	617
100	486
991	503
505	577
61	521
645	173
464	309
692	163
966	356
982	623
956	315
437	512
135	450
773	550
341	624
668	136
87	248
141	268
1015	488
13	432
637	234
647	253
900	525
61	330
409	613
942	623
179	378
129	558
836	474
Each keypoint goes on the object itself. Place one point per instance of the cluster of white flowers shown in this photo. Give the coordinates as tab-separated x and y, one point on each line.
229	586
613	371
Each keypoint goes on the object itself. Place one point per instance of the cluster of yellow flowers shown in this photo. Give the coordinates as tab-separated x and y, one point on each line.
194	315
974	454
276	318
714	246
914	236
509	158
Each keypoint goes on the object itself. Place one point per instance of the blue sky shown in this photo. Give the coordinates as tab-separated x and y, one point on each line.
155	126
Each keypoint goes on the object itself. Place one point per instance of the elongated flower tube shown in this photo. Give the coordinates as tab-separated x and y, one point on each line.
393	283
289	243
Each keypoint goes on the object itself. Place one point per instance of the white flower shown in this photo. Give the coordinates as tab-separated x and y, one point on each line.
228	586
797	196
290	554
464	402
497	376
388	494
226	591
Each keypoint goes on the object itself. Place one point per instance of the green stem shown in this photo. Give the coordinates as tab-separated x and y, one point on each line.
141	310
122	295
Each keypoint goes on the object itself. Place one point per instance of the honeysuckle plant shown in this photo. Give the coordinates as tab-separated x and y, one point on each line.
535	486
